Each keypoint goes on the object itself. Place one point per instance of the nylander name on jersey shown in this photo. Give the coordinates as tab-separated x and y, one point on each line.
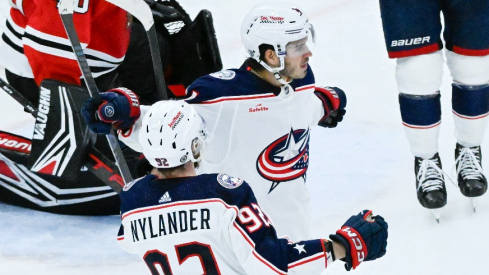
217	216
174	222
161	197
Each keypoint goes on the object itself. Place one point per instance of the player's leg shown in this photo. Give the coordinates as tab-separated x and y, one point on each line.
412	34
467	36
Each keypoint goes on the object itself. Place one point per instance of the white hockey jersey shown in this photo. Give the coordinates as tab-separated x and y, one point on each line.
262	136
208	224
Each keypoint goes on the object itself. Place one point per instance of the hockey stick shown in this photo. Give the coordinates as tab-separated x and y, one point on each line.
28	107
142	11
65	9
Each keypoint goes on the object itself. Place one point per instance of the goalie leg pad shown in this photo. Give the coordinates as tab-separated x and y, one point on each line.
61	136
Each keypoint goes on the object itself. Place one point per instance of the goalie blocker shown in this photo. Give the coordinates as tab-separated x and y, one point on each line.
67	170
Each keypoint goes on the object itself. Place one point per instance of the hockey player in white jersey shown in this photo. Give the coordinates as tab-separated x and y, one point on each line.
260	116
183	223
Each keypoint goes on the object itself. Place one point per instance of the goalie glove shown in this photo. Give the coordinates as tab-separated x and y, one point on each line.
334	103
166	14
117	107
364	237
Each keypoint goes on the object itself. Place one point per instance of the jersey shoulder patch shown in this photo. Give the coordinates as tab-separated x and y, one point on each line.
224	74
229	182
131	184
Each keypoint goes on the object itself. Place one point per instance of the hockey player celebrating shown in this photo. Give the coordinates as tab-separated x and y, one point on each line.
260	116
172	215
417	45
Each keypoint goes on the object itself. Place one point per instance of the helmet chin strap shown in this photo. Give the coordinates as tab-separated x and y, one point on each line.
280	79
276	71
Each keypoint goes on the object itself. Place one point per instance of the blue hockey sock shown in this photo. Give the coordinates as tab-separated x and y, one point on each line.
420	111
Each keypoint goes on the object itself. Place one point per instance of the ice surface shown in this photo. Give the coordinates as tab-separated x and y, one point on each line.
363	163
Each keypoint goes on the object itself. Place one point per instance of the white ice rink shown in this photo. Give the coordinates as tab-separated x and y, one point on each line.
363	163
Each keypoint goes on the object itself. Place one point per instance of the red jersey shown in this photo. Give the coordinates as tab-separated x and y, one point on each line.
35	44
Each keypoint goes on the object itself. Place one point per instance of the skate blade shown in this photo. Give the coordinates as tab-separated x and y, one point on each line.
473	202
436	214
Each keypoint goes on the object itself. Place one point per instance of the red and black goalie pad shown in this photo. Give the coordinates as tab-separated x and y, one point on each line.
87	195
193	53
61	136
11	142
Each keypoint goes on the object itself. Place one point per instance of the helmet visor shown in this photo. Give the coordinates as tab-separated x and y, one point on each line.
301	46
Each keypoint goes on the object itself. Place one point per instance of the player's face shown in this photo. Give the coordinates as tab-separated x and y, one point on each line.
296	60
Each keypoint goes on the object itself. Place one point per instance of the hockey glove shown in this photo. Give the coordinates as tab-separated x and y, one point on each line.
334	103
364	237
117	107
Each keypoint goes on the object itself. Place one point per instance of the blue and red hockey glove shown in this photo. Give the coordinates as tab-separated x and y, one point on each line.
365	238
118	108
334	103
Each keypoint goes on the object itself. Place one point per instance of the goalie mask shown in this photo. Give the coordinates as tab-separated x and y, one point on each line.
276	24
172	133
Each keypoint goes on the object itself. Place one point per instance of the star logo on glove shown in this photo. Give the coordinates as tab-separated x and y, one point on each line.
300	248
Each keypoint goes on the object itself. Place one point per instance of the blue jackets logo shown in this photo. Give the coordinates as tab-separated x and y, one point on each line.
285	159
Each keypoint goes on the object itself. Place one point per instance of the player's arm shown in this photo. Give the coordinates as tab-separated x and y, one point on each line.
260	251
333	100
118	108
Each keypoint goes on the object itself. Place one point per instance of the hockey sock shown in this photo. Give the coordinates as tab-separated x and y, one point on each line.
421	116
470	106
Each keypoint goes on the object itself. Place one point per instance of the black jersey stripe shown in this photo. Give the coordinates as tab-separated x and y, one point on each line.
13	31
62	47
12	44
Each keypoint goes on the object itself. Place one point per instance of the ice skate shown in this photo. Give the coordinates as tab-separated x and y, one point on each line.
470	176
430	183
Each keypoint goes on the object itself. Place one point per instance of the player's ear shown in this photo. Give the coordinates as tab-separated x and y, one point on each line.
271	58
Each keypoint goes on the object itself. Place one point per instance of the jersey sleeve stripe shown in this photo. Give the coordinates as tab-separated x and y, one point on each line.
305	87
151	208
261	259
61	47
258	256
314	257
234	98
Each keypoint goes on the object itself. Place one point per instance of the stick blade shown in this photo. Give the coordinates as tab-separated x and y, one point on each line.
66	6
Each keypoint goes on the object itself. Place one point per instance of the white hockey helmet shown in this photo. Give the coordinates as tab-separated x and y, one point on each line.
275	24
172	133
